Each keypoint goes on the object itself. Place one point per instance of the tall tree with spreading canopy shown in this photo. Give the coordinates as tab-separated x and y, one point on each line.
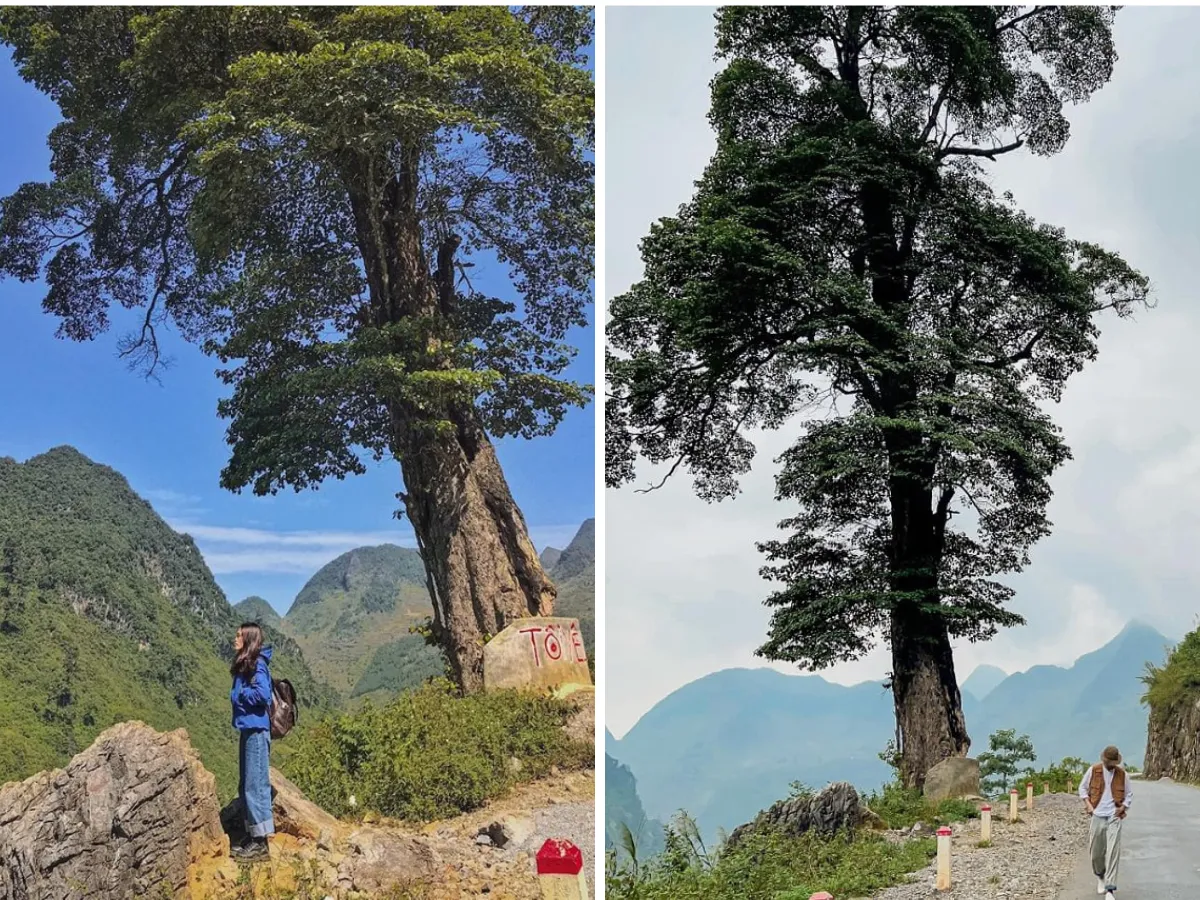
844	268
303	191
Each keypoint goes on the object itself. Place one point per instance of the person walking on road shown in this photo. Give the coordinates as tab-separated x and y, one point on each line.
1106	793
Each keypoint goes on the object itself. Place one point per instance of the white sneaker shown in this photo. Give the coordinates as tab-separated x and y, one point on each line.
1100	888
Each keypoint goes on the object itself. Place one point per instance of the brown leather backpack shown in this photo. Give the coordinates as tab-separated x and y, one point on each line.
283	710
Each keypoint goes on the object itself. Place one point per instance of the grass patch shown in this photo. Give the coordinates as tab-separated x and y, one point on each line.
769	867
431	754
902	807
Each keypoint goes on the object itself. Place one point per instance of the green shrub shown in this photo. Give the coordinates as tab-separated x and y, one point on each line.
430	753
1175	681
1061	775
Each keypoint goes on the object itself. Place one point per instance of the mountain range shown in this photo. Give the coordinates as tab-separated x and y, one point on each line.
354	618
107	614
729	744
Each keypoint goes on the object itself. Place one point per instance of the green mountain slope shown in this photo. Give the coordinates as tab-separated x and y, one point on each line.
107	614
729	744
574	573
352	619
256	609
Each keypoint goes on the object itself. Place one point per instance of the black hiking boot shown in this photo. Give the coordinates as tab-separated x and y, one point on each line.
251	850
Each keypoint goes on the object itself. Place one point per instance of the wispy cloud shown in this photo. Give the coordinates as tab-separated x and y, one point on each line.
258	537
236	549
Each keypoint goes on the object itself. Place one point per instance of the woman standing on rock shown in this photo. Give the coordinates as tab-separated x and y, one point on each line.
251	698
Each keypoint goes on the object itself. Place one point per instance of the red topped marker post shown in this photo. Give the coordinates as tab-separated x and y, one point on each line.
943	859
560	871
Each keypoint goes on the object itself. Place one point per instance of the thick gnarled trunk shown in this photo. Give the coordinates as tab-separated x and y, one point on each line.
929	721
483	569
930	726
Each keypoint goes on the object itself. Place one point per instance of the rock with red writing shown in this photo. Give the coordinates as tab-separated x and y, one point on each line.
536	653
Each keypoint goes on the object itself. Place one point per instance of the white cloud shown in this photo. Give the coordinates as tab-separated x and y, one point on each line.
235	549
683	596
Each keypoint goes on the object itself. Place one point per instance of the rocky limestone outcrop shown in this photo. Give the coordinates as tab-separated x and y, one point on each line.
1173	741
126	818
836	808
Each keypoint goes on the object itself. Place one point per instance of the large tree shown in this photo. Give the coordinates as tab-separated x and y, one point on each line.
304	191
845	269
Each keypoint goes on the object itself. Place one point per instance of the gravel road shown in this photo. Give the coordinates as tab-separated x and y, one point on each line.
1029	859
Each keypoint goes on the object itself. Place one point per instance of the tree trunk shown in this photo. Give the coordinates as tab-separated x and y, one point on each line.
929	720
930	726
483	569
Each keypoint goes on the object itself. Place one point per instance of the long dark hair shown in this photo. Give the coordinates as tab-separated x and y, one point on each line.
246	660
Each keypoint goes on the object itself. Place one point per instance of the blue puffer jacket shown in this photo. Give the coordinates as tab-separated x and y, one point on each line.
252	698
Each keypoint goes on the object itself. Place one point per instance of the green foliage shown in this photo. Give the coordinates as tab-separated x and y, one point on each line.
303	191
430	753
1000	764
1177	680
1062	775
903	807
106	615
845	270
766	867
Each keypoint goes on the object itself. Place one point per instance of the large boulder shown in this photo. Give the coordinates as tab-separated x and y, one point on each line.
537	653
126	818
952	778
836	808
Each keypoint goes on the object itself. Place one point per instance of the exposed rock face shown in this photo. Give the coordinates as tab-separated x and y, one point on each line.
380	860
952	778
126	818
836	808
1173	741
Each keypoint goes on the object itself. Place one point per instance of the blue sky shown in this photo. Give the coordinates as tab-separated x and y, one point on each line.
167	440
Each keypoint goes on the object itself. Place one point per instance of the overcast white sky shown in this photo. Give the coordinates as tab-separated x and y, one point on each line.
682	593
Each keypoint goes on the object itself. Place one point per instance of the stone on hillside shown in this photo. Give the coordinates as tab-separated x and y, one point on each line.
126	818
581	726
536	652
508	830
836	808
952	778
378	861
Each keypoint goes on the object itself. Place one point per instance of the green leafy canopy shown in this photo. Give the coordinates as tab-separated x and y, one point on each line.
236	171
845	265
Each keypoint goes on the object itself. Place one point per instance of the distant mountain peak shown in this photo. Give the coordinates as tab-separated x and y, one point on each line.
983	680
579	554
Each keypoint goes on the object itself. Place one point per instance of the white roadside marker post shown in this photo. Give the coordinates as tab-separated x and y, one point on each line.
943	858
1029	795
985	822
1012	805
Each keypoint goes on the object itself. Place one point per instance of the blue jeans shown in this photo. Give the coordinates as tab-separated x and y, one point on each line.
254	782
